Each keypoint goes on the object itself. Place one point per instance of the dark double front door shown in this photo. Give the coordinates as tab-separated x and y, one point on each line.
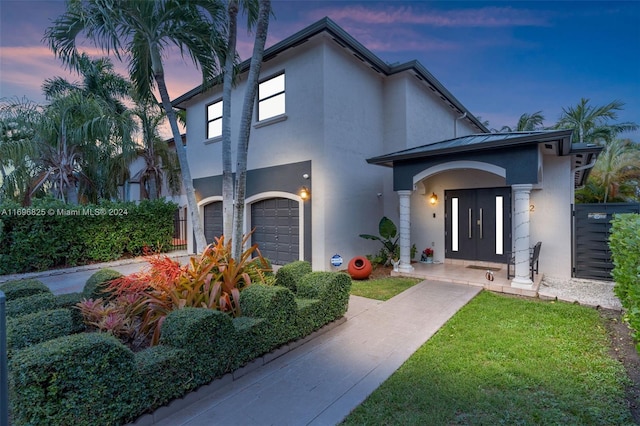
478	224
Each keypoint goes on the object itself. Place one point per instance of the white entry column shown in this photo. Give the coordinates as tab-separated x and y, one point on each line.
521	196
405	231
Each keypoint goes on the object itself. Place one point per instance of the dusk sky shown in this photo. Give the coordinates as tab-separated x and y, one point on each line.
500	59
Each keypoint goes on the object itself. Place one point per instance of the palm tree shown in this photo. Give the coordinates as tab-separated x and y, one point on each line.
262	27
18	118
591	123
142	30
160	160
617	171
230	60
74	134
526	123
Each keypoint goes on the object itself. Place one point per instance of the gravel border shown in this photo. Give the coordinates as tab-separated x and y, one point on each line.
576	290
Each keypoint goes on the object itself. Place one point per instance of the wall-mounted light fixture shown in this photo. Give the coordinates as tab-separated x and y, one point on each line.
433	199
304	193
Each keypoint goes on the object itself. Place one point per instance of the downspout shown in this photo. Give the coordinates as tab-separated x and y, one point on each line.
585	167
455	124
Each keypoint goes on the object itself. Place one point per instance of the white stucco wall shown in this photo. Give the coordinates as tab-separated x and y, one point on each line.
551	217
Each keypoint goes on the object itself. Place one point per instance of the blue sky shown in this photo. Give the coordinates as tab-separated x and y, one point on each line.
500	59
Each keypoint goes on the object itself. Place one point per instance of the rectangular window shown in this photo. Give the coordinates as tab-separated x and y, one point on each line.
214	120
499	225
454	224
271	101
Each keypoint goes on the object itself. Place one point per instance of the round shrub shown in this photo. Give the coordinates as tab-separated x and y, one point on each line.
289	275
39	327
276	305
23	288
98	282
331	288
82	379
31	304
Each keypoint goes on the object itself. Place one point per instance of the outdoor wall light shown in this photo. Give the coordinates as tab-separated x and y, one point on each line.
433	199
305	194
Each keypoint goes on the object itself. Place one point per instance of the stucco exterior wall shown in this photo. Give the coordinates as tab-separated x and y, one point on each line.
551	217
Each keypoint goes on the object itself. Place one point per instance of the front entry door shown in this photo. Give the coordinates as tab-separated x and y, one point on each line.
478	224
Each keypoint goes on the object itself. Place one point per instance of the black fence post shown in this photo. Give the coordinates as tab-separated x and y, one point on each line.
4	369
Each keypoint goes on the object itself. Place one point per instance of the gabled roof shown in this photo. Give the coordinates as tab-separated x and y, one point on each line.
344	39
555	141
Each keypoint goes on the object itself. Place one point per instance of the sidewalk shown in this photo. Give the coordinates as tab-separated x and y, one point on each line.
71	280
322	381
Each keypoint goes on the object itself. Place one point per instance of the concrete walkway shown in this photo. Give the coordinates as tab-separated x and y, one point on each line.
322	381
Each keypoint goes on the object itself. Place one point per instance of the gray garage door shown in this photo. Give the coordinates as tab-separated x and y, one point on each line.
212	221
276	223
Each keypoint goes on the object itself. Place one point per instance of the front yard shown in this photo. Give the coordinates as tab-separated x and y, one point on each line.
506	360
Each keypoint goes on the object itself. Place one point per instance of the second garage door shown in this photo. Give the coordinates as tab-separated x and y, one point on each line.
277	230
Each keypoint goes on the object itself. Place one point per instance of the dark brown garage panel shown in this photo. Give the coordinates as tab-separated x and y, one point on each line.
277	233
212	221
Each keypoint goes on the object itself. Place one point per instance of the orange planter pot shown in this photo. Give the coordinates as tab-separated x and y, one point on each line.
359	268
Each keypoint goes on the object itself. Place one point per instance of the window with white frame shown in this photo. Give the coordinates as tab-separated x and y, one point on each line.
271	101
214	120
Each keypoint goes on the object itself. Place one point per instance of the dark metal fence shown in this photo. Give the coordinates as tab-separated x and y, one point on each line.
180	229
591	228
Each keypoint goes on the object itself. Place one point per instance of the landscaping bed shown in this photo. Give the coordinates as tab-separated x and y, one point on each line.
62	374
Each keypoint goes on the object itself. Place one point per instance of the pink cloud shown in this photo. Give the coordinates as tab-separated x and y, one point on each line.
481	17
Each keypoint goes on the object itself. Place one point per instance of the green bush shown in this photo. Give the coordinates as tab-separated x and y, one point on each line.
163	375
277	306
80	234
290	274
250	341
69	301
331	288
82	379
31	304
39	327
624	243
210	337
97	283
23	288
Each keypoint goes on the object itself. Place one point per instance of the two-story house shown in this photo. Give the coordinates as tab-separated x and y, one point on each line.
329	113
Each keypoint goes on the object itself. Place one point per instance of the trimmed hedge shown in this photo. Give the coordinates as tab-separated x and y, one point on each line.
210	337
331	288
50	233
31	304
97	283
39	327
82	379
91	378
624	243
290	274
22	288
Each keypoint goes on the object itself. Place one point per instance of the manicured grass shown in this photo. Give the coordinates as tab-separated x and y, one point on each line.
382	288
503	360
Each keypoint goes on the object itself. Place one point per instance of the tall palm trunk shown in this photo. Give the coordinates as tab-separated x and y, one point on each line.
262	27
227	172
158	75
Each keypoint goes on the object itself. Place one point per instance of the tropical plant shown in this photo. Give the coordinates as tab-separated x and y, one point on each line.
141	31
526	123
212	280
591	123
388	238
616	174
160	160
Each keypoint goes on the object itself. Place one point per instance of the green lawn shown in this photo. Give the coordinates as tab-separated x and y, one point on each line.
382	288
506	361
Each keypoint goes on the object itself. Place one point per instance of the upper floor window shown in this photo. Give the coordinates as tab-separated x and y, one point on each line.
271	97
214	120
